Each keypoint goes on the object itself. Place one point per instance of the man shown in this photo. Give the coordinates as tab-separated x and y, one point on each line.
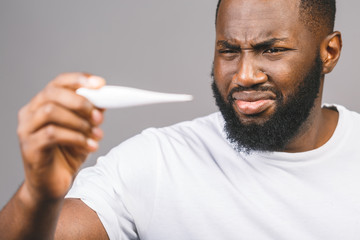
275	164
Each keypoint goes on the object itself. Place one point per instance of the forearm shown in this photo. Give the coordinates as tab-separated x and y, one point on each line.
24	217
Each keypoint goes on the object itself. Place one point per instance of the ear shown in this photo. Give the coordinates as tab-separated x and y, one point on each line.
330	50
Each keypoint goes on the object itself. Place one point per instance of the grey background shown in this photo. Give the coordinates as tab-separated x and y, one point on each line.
162	45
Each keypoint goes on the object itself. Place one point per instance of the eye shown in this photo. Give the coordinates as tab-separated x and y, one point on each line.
275	50
229	54
227	51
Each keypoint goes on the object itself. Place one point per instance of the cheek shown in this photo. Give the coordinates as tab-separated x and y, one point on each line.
290	73
285	78
223	74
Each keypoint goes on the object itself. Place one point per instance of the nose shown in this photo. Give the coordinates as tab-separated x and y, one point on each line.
248	73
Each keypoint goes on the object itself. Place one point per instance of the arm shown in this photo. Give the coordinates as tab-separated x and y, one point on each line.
57	130
77	221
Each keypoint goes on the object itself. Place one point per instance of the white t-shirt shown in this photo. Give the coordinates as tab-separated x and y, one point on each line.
187	182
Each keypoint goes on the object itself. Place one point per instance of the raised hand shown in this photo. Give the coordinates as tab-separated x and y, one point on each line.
57	130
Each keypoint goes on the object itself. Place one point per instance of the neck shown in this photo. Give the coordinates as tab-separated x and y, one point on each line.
316	130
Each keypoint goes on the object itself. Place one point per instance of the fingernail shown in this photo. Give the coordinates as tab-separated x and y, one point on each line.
97	132
96	116
92	144
95	81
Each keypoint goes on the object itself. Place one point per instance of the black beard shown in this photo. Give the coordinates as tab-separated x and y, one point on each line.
275	133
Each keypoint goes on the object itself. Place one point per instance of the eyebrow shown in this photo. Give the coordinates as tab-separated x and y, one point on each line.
228	44
260	45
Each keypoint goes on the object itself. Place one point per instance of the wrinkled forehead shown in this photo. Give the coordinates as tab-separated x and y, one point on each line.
256	17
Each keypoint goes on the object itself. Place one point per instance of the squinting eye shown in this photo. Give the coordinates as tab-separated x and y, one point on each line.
228	54
275	50
227	51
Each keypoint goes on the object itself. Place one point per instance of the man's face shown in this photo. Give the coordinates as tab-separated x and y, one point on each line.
266	67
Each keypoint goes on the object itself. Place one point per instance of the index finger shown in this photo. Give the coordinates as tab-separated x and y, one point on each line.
77	80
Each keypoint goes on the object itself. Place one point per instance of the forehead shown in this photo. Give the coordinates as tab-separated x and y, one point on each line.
256	19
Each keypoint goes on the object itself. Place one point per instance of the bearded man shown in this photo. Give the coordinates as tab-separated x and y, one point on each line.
274	163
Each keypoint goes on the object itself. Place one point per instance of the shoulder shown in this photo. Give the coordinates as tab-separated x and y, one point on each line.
140	158
188	131
348	125
125	181
147	149
346	115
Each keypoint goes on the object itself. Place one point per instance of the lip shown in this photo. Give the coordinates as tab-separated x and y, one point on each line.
251	102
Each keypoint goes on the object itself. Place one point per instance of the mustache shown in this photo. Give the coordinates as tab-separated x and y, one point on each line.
256	88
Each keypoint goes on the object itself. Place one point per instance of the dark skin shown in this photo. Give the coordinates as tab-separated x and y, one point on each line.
257	42
57	130
264	43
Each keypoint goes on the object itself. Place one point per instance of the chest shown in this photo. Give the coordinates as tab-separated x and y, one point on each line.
257	202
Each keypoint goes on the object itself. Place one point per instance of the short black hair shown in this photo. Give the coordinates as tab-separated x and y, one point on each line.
315	14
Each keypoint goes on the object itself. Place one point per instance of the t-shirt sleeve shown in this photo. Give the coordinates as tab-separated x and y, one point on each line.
117	183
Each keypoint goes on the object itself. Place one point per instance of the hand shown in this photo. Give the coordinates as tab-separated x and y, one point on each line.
57	130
